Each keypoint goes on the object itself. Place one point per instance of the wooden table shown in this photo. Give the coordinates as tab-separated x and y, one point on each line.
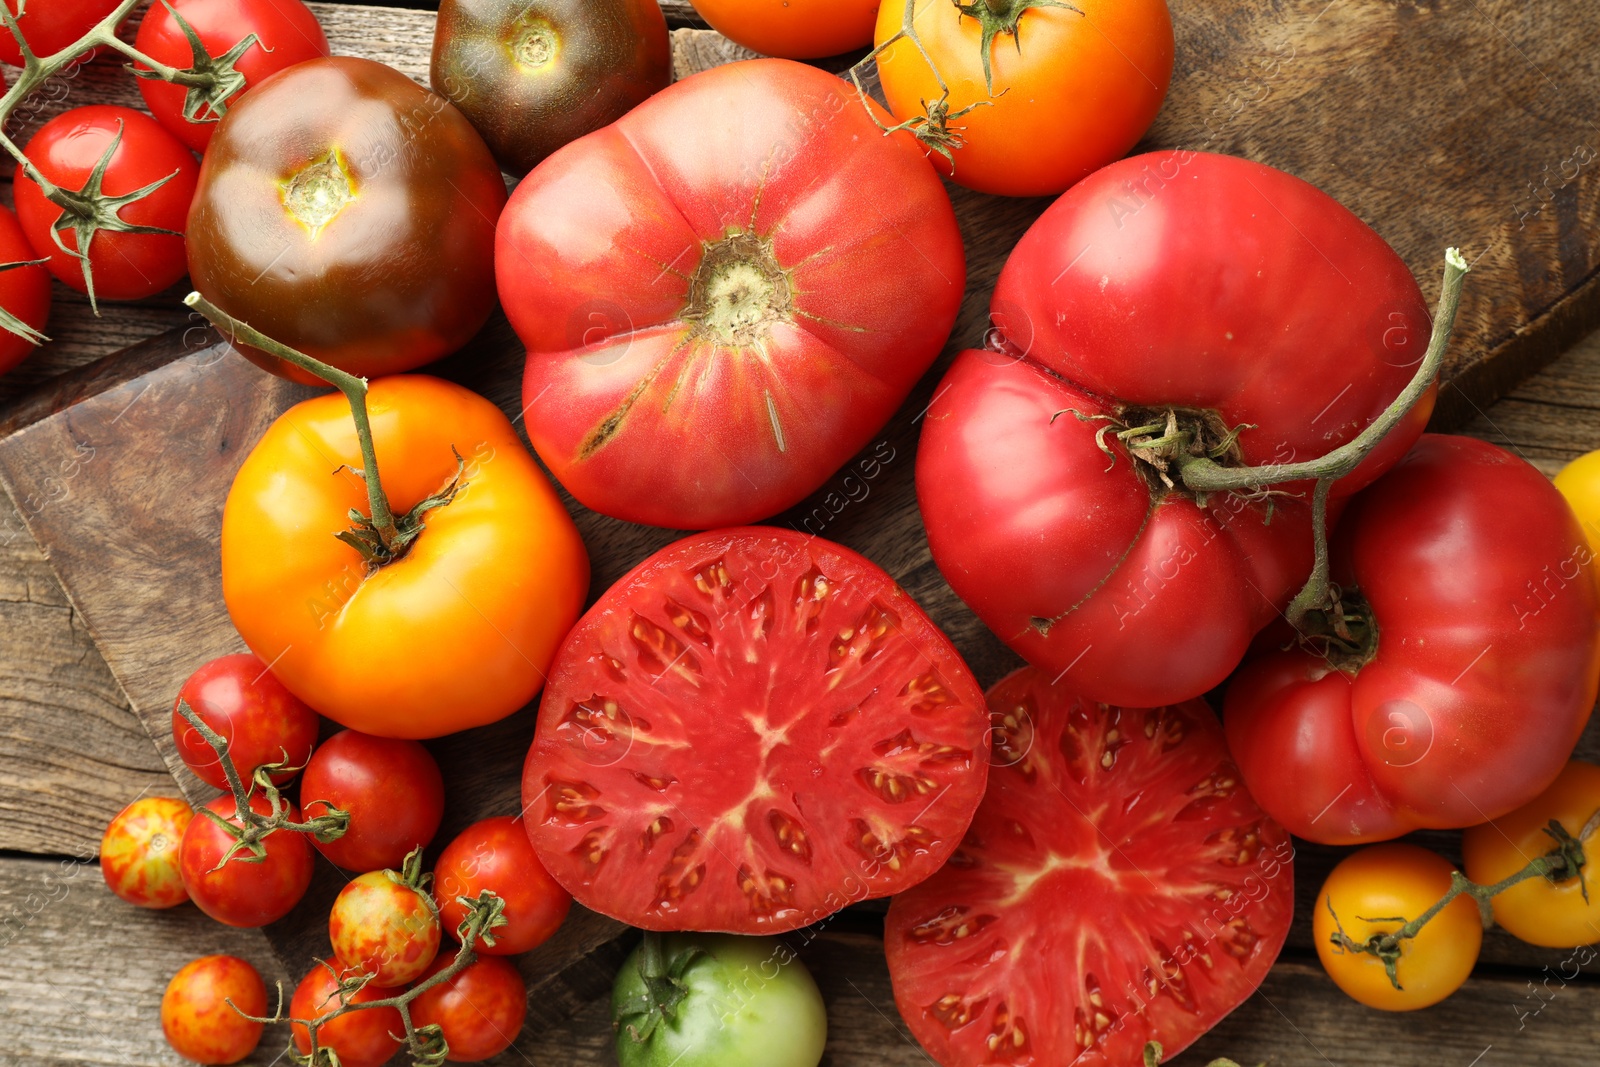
84	971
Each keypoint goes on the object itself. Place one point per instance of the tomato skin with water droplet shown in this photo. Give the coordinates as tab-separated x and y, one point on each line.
1118	885
749	731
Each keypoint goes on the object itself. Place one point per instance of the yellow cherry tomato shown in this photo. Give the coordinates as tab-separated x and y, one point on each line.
1371	891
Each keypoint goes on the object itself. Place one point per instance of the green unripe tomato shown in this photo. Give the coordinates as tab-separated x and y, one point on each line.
716	1000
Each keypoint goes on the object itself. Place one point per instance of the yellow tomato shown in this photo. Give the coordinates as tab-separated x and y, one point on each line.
1579	482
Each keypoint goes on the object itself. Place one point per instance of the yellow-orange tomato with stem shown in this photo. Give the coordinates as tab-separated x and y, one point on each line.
381	926
196	1018
458	630
139	852
1374	892
793	29
1554	914
1068	89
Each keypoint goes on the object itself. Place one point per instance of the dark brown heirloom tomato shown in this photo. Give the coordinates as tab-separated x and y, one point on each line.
532	76
348	212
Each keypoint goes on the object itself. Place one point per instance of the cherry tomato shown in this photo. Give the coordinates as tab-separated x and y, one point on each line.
242	892
495	854
1473	664
533	76
480	1010
286	33
24	293
1073	87
383	927
348	212
197	1019
263	722
51	25
361	1038
763	281
1540	911
126	266
455	633
794	29
139	852
392	790
1387	883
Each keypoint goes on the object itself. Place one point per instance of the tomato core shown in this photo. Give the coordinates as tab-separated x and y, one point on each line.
314	195
1345	633
534	42
739	291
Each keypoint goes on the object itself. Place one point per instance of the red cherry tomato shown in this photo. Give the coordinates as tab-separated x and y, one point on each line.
287	33
196	1017
243	893
361	1038
139	852
24	291
126	266
495	854
238	697
383	927
392	790
480	1010
51	25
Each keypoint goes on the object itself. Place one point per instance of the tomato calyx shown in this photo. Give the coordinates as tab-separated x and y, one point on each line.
1002	17
739	291
664	988
211	81
365	537
1161	440
1341	629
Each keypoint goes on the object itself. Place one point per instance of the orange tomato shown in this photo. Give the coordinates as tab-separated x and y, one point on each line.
195	1015
456	632
1073	88
793	29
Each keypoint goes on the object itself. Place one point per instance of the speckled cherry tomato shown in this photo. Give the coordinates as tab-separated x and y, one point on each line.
361	1038
391	788
480	1010
242	893
381	926
495	854
139	852
238	697
195	1015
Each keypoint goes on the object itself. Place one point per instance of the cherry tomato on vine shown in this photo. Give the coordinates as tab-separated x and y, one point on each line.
24	294
1387	883
392	789
126	264
1540	911
381	926
480	1010
238	697
794	29
286	33
495	854
244	893
195	1015
1039	96
139	852
51	25
361	1038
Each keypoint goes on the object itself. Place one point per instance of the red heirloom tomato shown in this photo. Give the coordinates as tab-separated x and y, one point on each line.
244	891
286	33
361	1038
127	264
1470	667
238	697
750	730
348	212
24	294
381	926
51	25
1266	321
139	852
480	1010
794	29
1118	886
725	294
455	632
197	1019
495	854
392	789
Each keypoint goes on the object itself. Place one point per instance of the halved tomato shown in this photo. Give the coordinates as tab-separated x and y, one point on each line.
1118	886
749	731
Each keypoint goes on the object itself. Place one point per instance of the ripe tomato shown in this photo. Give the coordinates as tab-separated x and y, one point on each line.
1389	882
126	265
725	294
459	630
1118	886
1473	664
383	927
1579	482
480	1010
1073	87
197	1019
1235	298
243	892
361	1038
348	212
1539	911
139	852
392	789
793	29
286	33
238	697
51	26
24	294
750	730
495	854
530	79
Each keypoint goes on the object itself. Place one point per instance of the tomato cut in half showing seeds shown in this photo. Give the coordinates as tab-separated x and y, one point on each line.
1118	886
749	731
